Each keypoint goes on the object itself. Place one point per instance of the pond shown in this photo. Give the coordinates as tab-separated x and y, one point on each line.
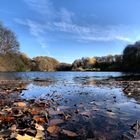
98	110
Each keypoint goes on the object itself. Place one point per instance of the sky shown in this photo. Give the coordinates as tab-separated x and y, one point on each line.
71	29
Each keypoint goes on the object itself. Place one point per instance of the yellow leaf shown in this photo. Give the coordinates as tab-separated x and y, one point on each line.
25	137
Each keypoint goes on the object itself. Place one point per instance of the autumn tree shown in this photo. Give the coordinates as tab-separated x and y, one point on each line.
131	57
8	41
84	63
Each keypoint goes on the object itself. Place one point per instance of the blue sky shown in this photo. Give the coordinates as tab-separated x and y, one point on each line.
71	29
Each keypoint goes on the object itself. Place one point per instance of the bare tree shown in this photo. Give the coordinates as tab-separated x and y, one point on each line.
8	41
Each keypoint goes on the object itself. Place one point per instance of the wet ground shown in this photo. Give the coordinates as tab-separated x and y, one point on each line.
69	105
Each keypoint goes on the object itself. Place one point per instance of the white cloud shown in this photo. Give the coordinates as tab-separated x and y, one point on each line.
94	33
44	7
65	23
37	30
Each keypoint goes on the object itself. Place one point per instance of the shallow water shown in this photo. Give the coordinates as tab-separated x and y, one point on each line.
112	113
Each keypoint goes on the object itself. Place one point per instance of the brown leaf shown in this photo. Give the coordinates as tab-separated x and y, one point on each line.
67	117
21	104
53	129
35	111
69	133
39	119
56	121
6	118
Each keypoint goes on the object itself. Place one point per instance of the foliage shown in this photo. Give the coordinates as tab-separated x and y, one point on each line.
45	63
84	63
131	57
64	67
98	63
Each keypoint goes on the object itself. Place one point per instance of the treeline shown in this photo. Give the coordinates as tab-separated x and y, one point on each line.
128	61
106	63
11	59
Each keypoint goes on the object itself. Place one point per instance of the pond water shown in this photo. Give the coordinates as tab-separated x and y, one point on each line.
108	112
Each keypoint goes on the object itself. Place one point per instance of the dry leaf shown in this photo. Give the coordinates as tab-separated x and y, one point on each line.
39	119
69	133
39	127
56	121
67	117
25	137
35	111
53	129
13	127
6	118
21	104
39	135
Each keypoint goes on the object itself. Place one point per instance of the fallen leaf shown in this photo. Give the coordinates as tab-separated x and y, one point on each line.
69	133
67	117
56	121
53	129
39	135
35	111
25	137
6	118
39	127
21	104
39	119
13	127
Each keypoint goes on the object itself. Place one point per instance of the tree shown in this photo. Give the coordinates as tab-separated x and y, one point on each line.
131	57
8	41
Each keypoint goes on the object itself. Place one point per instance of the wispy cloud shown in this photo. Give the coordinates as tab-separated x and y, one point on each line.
44	7
94	32
37	30
65	23
65	15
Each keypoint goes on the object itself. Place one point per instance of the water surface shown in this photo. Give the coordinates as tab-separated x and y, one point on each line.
112	112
